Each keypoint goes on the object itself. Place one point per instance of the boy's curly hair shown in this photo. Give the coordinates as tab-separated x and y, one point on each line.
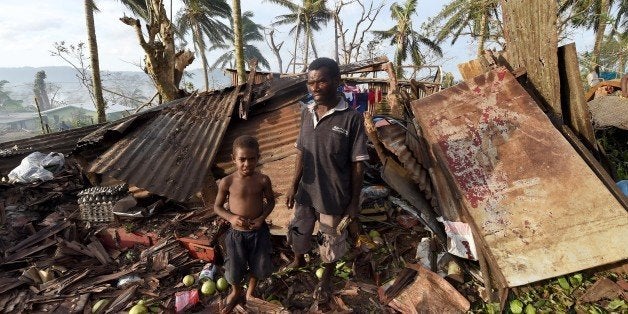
246	141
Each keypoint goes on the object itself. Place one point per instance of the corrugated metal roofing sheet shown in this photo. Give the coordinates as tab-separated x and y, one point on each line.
12	153
171	155
537	208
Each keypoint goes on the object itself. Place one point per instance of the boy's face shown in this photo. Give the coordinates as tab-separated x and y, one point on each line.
245	160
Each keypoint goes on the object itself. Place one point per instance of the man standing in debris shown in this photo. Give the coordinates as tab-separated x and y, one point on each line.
328	171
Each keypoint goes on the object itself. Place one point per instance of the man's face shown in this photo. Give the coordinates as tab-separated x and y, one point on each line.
245	160
322	86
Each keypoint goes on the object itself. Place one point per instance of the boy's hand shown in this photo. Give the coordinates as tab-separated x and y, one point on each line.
238	222
255	224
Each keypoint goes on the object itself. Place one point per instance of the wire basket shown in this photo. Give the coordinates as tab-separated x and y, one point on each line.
96	203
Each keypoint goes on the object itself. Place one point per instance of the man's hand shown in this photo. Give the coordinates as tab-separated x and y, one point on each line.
290	198
353	209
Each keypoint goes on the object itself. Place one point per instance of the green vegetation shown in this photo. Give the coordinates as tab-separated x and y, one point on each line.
615	144
561	295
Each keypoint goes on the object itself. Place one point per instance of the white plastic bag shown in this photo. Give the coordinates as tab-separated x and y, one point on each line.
37	166
459	239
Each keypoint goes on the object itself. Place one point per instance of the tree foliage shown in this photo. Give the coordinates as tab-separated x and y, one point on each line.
162	61
307	17
407	41
481	20
202	19
251	32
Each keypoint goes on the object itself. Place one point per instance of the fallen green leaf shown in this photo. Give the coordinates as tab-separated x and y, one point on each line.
530	309
562	282
616	304
575	280
516	306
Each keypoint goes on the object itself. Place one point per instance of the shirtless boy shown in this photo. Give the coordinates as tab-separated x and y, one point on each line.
251	200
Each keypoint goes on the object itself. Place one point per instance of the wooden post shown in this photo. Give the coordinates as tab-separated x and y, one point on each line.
575	108
41	121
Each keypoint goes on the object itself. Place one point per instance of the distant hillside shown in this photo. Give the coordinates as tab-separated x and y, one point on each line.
65	88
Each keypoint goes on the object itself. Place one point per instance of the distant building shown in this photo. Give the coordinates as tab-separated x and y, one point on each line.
70	115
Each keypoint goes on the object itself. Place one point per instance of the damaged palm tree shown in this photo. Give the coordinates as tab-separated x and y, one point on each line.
162	62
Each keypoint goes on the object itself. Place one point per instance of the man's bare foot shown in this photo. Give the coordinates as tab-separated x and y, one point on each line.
298	262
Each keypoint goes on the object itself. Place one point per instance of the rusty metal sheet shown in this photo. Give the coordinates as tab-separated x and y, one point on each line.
538	210
171	155
296	83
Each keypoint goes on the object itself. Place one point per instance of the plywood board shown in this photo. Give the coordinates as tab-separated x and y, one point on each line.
535	205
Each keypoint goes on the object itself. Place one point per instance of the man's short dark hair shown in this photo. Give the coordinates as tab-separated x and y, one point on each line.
246	141
328	63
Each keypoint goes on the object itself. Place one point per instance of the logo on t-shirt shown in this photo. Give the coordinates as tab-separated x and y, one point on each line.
340	130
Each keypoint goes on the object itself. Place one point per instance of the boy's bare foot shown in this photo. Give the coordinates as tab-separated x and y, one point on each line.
322	294
232	300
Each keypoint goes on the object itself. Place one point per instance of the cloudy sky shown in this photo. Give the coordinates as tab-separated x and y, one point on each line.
29	29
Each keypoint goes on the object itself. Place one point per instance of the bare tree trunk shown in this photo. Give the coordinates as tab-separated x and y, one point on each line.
201	47
296	42
483	29
162	63
239	51
599	34
93	52
336	37
275	48
307	44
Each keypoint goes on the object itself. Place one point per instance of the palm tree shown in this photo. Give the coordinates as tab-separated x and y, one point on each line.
307	17
200	17
474	18
250	32
95	64
238	42
593	15
404	37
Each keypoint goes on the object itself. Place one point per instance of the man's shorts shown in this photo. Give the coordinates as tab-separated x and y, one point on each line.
332	246
248	252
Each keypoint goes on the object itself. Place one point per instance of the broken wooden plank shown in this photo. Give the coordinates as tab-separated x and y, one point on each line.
577	113
40	235
99	251
122	300
429	293
27	252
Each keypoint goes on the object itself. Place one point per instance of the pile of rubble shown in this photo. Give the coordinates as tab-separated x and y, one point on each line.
452	218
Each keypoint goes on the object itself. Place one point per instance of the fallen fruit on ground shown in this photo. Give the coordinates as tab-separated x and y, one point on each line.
188	280
319	272
100	304
222	284
208	287
374	234
138	309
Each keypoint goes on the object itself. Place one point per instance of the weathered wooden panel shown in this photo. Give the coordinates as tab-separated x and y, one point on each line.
532	41
572	94
534	203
